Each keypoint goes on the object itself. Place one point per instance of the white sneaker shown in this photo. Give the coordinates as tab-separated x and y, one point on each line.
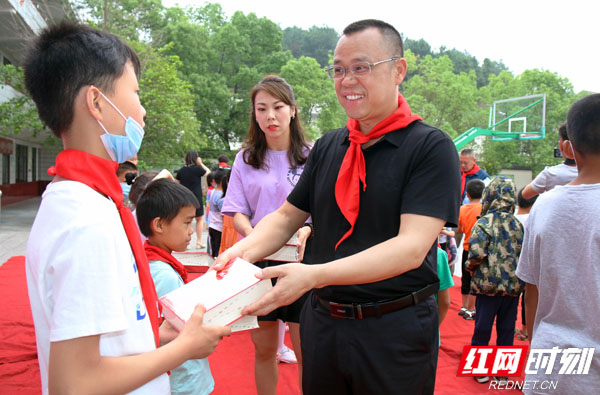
286	355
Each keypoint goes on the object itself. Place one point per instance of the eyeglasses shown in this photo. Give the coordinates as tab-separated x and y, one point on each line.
357	69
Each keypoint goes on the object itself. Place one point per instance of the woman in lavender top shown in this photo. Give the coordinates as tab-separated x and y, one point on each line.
263	174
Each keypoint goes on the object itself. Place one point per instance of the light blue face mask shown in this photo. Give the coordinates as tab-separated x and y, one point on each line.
121	148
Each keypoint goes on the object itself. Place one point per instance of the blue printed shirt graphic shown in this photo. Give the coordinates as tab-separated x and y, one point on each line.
193	376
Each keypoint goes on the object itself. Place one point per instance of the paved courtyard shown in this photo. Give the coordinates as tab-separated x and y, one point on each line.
15	223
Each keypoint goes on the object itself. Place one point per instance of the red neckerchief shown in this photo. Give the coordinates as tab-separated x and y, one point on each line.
464	175
353	171
101	175
224	165
158	254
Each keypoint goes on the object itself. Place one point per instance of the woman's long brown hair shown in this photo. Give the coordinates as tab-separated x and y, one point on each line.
255	145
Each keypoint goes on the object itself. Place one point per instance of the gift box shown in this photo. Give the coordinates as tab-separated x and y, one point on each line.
287	253
194	261
223	294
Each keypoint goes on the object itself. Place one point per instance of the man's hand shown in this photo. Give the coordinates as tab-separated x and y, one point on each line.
293	281
201	340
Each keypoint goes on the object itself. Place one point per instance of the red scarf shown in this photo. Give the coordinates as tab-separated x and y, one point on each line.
158	254
101	175
464	175
353	171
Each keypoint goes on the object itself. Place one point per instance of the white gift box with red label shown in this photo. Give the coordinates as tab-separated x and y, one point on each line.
223	294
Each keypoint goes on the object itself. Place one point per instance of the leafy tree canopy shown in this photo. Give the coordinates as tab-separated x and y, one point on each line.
199	67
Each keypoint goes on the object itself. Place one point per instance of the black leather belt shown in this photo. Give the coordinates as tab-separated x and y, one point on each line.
353	311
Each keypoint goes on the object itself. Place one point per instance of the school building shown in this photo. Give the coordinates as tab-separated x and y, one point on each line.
24	157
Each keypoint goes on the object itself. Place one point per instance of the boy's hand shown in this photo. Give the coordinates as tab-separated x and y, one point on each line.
167	333
472	265
201	340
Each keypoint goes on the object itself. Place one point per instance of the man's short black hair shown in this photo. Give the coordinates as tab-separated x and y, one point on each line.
67	57
475	189
525	203
583	125
562	131
164	199
467	151
390	34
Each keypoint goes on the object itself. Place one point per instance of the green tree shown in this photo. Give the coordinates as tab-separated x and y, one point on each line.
316	42
222	62
463	61
130	19
418	47
19	114
319	42
293	40
443	98
171	126
529	153
315	95
489	67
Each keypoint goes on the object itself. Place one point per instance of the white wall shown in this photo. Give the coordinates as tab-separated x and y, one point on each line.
520	177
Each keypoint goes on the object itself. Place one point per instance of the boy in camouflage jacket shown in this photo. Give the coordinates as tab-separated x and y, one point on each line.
494	249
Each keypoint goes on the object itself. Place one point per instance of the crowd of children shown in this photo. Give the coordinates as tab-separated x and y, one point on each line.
93	284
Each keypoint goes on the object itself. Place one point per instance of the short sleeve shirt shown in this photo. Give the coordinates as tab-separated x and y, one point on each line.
552	176
193	376
466	219
414	170
191	178
258	192
83	281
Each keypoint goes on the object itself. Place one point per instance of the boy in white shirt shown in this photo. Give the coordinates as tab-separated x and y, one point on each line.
559	260
92	297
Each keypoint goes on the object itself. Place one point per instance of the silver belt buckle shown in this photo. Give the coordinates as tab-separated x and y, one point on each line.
342	311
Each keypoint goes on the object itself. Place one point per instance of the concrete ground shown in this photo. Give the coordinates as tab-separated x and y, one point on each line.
15	223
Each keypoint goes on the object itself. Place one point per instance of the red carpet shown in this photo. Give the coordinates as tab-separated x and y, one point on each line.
233	363
19	370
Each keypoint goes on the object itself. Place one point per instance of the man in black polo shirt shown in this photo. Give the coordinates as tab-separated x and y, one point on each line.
379	191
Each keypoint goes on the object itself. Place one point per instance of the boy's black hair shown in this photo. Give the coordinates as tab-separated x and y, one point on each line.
130	169
583	125
392	38
67	57
139	185
525	203
475	189
126	166
223	158
164	199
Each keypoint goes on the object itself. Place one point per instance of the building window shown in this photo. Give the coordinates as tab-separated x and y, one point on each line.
34	157
21	159
4	60
5	169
